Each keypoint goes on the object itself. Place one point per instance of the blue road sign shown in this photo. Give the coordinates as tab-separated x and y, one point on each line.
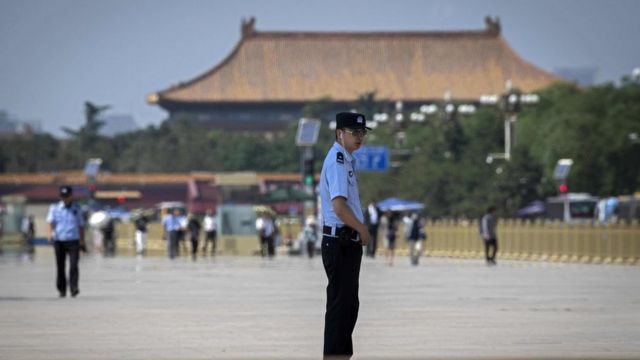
372	158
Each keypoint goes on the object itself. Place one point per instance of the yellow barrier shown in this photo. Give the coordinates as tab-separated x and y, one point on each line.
227	244
538	241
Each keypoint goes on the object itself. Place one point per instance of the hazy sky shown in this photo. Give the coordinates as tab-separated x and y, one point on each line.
55	54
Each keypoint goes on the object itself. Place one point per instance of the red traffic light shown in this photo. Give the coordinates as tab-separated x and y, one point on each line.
563	188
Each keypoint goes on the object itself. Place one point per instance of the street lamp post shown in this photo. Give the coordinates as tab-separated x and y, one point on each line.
446	108
511	104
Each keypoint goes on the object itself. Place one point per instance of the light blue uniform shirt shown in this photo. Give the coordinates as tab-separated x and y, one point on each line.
338	178
171	223
66	221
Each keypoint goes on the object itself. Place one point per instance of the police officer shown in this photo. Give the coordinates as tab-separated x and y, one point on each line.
66	232
171	225
344	233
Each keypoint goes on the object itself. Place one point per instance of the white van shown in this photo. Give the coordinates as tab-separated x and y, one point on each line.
572	207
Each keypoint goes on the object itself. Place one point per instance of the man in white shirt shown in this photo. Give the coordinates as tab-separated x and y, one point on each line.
211	232
266	232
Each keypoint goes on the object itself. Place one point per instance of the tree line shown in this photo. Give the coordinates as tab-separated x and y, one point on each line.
443	162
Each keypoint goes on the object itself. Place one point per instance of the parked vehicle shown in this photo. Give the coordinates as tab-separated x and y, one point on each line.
572	207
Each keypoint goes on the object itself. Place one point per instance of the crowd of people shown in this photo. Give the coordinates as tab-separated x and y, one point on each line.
176	226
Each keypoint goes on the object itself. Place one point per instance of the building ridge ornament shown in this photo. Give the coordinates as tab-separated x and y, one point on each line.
493	25
248	27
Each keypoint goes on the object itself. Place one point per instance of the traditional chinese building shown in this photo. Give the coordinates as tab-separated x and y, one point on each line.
269	77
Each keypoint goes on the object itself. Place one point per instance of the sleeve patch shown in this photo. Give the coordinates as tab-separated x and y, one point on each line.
339	157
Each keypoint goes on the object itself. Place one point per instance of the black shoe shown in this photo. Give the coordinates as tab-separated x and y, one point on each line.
75	293
62	294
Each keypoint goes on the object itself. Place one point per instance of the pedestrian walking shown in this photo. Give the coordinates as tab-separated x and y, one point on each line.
310	235
141	234
109	238
211	232
66	233
171	226
392	226
194	234
266	228
415	238
28	230
488	225
344	234
372	219
182	233
98	241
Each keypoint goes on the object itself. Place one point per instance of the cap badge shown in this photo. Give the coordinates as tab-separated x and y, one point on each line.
360	120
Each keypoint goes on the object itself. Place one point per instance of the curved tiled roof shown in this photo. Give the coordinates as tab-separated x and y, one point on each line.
73	177
303	66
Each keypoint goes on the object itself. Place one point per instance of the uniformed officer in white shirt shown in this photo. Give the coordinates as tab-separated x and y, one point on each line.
66	232
344	234
171	225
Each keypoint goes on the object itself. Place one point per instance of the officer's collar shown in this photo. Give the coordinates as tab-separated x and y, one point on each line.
340	148
62	204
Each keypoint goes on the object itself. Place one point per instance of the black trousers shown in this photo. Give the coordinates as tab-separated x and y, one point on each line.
194	244
341	262
267	246
172	244
210	237
490	249
62	248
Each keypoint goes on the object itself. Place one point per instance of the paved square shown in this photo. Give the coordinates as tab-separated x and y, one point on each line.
245	307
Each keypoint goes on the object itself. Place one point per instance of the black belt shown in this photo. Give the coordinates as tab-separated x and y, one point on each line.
334	231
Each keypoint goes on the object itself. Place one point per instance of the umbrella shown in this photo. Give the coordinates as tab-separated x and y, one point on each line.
395	204
99	219
118	213
285	194
261	209
535	208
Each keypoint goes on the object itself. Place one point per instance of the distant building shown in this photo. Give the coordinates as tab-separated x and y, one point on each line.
269	77
585	76
117	124
198	190
10	125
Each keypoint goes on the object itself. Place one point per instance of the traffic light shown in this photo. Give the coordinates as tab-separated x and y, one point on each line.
563	188
307	171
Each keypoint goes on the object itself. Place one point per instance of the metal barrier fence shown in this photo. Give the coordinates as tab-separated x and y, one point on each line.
227	244
519	240
540	240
